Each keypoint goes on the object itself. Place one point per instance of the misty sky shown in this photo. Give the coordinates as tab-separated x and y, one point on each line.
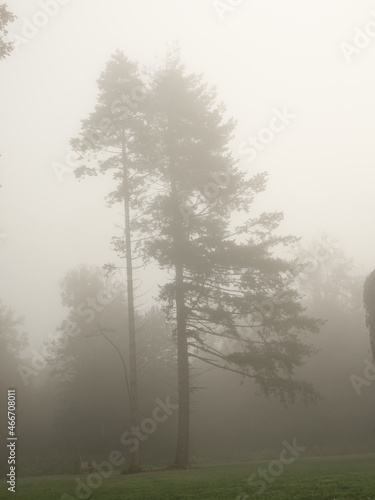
263	55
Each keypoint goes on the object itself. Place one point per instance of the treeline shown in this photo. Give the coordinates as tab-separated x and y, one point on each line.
78	404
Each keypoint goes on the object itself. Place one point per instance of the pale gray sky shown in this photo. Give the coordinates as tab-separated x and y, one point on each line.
263	55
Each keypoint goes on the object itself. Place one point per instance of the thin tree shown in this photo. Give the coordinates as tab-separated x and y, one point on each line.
105	144
225	279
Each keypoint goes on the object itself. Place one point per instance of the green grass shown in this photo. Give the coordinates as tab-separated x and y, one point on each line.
340	478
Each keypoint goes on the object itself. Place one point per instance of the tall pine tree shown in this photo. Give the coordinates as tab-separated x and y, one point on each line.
226	281
105	145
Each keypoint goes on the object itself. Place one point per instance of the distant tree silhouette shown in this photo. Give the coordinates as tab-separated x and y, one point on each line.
12	342
369	303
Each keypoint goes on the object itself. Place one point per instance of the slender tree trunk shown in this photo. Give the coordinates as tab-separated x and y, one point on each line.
135	456
182	453
183	433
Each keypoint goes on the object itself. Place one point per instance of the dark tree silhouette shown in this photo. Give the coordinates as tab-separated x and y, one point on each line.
219	273
369	303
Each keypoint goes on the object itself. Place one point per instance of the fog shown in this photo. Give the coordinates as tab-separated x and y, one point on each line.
261	55
267	59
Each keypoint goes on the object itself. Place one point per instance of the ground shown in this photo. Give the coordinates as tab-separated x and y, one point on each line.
325	478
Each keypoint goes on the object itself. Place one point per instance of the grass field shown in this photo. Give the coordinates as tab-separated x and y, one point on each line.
345	477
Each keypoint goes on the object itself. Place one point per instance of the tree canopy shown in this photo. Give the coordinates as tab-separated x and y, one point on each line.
6	17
